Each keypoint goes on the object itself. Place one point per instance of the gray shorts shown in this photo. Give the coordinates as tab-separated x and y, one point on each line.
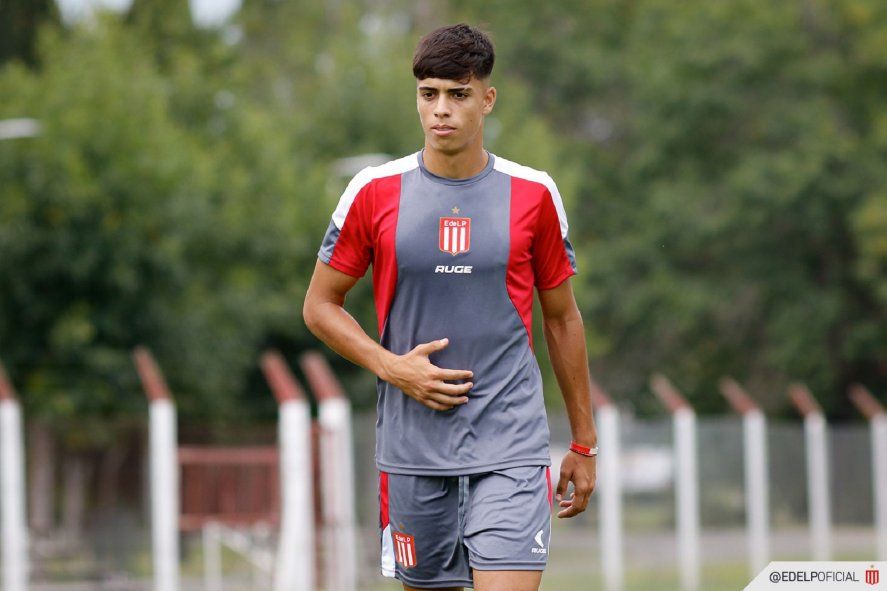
436	529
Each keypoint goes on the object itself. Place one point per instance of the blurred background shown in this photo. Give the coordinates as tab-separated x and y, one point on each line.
168	169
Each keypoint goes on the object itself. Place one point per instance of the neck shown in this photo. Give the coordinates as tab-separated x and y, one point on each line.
460	165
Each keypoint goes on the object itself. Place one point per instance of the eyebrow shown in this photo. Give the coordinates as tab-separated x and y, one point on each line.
462	89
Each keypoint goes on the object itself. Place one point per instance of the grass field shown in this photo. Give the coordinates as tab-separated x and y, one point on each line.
650	558
574	564
721	578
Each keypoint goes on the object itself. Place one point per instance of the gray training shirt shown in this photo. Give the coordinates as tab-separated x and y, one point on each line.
457	259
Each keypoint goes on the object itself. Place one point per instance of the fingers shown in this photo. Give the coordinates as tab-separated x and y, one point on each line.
570	511
428	384
572	507
429	348
453	389
578	501
562	483
454	374
446	399
440	373
435	405
445	396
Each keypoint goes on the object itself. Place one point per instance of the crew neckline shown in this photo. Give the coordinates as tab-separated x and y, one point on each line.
456	182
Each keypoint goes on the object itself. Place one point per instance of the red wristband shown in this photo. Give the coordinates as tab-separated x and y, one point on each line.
582	450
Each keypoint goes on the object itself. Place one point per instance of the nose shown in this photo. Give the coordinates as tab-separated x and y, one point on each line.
442	106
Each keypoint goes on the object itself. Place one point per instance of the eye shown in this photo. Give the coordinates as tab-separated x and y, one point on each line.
460	95
427	94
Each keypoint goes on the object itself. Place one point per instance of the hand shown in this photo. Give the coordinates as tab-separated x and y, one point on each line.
580	470
423	381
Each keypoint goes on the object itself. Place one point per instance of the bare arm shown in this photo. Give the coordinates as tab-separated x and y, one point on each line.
565	336
413	372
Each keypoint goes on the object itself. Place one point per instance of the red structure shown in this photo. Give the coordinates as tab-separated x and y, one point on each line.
235	486
736	395
667	393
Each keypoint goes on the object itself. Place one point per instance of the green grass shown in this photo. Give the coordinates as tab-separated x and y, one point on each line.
731	577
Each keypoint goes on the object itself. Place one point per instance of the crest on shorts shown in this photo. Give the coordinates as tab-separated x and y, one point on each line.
404	549
454	235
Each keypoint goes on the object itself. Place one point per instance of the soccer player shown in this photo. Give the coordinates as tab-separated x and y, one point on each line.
458	238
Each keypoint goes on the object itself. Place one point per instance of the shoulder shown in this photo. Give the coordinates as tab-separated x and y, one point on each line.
367	177
541	188
532	175
389	169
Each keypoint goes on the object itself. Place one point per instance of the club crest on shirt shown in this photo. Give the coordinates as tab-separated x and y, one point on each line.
454	235
404	549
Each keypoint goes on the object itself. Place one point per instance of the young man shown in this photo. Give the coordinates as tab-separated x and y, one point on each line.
458	238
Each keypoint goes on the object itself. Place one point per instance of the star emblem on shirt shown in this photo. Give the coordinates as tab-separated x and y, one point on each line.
455	210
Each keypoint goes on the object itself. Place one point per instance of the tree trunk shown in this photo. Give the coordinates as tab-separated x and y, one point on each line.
42	476
109	477
76	475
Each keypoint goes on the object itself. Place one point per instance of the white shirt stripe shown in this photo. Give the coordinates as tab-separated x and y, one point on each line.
365	176
537	176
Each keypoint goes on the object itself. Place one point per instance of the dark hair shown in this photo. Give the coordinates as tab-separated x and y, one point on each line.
454	52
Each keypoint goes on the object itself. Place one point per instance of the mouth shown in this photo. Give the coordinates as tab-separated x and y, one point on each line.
442	130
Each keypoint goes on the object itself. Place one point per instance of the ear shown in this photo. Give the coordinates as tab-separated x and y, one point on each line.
489	100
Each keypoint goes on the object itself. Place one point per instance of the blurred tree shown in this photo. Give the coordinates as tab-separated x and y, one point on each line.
123	225
165	25
722	164
20	21
731	195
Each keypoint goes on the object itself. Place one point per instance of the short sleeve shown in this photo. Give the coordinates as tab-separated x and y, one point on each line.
553	258
347	245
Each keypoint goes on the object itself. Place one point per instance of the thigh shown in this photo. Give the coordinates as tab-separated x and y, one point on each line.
507	580
508	520
421	535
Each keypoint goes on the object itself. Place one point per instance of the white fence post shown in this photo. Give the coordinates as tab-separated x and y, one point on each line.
879	480
687	486
817	482
609	488
163	449
294	569
757	504
336	474
874	411
212	557
816	447
686	481
12	489
165	495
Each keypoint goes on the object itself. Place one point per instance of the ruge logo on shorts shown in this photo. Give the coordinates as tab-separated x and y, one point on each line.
541	549
404	549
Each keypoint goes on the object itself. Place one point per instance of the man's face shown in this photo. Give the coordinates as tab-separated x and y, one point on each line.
452	112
